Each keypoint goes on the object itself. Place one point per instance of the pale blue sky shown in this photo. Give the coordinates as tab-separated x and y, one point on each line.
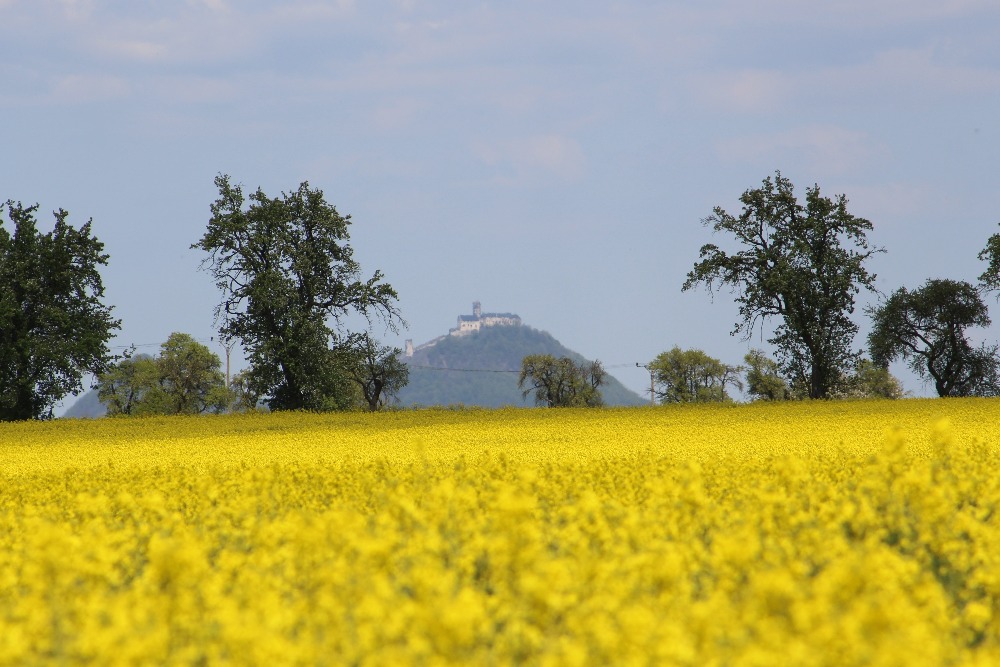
550	159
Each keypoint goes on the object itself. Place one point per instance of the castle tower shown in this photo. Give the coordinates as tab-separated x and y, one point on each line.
477	310
409	347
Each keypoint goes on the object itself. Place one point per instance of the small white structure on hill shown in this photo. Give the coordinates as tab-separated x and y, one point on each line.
470	323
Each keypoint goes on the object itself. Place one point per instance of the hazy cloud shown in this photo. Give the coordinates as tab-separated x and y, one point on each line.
823	149
82	88
519	160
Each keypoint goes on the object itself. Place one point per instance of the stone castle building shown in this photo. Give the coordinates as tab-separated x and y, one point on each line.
470	323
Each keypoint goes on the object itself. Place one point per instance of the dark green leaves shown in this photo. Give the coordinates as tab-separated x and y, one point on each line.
560	382
288	280
53	326
927	328
801	263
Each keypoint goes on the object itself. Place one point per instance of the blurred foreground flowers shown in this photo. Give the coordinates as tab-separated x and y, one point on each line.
808	533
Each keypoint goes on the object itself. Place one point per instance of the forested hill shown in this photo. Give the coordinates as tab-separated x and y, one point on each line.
481	369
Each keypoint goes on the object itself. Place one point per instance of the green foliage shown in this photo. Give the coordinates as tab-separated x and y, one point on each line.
990	278
927	328
803	264
53	326
244	397
691	376
288	279
560	382
125	386
869	380
764	380
377	371
185	379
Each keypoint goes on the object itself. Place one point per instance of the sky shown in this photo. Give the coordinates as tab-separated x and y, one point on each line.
551	159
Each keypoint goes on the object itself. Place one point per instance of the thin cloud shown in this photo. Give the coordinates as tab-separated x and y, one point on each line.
524	159
83	88
745	90
889	79
823	149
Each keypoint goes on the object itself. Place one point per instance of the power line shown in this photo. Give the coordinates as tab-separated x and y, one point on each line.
464	370
138	345
492	370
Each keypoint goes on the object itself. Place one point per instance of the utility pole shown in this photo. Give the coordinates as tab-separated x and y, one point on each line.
228	346
652	385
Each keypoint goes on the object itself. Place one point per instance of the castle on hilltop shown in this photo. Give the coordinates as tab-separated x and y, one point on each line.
469	323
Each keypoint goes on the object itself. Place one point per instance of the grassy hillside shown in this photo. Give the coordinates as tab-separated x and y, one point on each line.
482	369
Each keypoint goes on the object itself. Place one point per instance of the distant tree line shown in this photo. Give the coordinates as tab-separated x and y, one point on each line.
289	285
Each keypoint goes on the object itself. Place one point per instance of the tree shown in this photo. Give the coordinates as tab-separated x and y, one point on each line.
804	264
691	376
764	381
244	397
377	371
990	279
927	328
561	383
123	388
289	280
53	327
190	377
186	378
869	380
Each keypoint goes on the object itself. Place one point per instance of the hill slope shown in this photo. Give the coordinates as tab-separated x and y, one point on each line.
87	406
481	368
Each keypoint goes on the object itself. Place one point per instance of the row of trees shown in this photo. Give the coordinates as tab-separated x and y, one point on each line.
289	283
187	378
802	265
692	376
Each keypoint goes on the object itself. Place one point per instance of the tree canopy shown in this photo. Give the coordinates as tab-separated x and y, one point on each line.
691	376
377	371
927	327
990	278
54	328
764	380
289	280
802	264
560	382
186	378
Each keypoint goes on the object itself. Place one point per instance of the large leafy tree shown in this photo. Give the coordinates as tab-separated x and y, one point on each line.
54	329
801	263
289	280
927	327
692	376
561	382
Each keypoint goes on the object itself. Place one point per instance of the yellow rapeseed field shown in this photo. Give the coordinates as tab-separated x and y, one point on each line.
832	533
